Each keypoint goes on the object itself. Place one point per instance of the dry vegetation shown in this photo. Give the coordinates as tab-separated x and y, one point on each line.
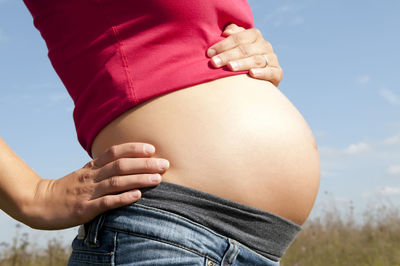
330	241
21	252
340	241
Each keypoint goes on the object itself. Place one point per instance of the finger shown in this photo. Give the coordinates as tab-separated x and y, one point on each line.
239	52
126	150
255	61
128	166
231	29
244	37
127	182
272	74
108	202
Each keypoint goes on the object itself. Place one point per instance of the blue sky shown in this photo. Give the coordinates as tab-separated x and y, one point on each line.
341	70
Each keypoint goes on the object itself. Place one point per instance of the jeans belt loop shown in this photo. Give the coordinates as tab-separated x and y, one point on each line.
81	232
92	231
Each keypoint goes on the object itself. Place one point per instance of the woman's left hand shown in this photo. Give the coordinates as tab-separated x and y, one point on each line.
246	50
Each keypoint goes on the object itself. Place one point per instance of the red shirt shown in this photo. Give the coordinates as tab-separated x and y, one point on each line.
114	54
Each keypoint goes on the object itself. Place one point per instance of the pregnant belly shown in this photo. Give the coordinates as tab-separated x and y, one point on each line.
235	137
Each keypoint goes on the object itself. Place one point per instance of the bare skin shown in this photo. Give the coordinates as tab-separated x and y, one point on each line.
236	137
112	179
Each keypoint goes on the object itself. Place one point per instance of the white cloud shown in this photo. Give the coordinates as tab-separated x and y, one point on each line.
363	171
352	149
357	148
288	13
378	148
391	140
393	170
389	191
363	79
381	157
389	96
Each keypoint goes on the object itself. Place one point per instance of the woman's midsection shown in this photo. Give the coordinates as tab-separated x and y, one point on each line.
236	137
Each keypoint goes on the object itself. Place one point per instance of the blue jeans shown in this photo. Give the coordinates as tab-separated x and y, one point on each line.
145	235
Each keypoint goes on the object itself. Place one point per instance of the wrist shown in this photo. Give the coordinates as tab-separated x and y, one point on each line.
35	205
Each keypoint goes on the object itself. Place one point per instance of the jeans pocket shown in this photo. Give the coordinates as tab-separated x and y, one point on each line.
102	254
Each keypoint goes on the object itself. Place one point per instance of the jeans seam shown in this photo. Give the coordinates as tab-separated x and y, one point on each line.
114	252
91	262
234	253
93	253
228	261
164	241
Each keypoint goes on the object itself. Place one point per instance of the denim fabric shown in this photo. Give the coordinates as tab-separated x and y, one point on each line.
147	236
265	233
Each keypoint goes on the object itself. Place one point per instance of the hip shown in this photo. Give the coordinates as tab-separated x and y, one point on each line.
175	225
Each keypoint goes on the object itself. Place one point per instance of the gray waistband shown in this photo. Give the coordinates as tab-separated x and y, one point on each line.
263	232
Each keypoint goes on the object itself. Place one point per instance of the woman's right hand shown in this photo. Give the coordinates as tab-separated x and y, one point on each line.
246	49
109	181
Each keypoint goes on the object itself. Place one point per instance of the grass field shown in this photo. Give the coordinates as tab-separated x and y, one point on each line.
331	240
340	241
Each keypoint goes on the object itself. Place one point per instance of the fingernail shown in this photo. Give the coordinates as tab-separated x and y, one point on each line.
234	65
135	194
217	61
163	164
256	72
211	52
155	178
149	149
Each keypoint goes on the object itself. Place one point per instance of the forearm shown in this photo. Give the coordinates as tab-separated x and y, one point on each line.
46	204
110	181
18	185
